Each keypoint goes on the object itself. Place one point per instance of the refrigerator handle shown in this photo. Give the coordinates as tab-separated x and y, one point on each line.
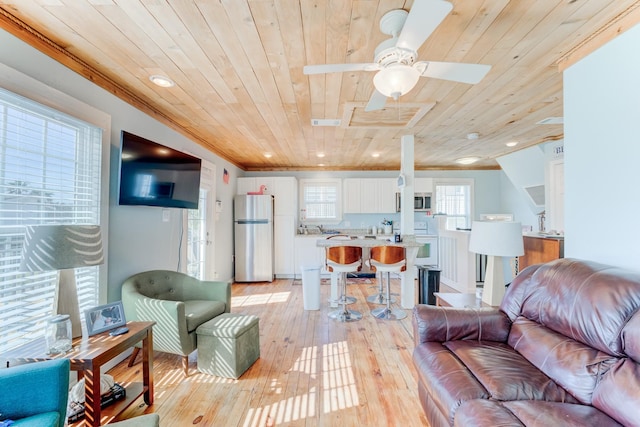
252	221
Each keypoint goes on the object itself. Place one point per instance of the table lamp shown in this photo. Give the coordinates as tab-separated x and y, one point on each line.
63	248
496	239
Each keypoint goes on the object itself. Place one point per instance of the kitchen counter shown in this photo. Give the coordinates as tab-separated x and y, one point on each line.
539	235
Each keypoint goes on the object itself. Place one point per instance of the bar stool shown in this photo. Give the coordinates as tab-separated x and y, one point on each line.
343	260
388	259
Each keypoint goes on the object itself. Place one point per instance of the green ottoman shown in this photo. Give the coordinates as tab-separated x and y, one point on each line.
228	344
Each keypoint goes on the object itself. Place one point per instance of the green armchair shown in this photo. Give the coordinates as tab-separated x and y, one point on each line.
35	394
178	303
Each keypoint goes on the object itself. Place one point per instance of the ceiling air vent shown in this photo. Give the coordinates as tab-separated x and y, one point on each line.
536	194
325	122
551	121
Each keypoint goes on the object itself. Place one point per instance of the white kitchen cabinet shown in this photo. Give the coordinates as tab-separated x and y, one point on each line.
423	185
283	245
249	185
369	195
386	195
284	190
307	252
351	195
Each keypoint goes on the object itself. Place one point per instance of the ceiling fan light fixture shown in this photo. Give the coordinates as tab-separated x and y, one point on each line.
396	80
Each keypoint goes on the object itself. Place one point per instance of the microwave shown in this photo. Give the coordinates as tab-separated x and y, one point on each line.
421	202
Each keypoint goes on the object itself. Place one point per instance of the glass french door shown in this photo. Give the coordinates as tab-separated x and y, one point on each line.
200	229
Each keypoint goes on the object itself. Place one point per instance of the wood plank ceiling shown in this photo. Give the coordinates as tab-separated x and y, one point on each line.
240	90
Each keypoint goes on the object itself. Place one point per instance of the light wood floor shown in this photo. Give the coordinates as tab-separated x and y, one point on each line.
312	371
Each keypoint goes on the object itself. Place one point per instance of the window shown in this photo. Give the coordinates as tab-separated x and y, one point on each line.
320	200
455	199
50	173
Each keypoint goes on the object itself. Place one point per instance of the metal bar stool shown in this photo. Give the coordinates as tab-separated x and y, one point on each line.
388	259
343	260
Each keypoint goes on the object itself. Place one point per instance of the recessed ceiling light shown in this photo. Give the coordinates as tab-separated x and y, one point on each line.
511	143
467	160
268	155
161	81
320	155
375	155
321	164
473	135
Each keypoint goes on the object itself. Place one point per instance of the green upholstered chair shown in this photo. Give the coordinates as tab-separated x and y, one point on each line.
35	394
178	303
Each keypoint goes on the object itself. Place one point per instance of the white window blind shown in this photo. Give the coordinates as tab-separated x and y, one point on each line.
455	202
320	200
49	174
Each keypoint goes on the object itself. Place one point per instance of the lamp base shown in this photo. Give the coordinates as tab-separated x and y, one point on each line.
65	300
494	285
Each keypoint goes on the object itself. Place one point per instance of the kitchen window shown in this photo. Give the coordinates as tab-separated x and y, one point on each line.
51	172
320	200
454	199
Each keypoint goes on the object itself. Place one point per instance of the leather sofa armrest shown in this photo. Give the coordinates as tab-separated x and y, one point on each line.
441	324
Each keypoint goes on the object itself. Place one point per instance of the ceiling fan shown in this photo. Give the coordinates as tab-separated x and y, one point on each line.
395	58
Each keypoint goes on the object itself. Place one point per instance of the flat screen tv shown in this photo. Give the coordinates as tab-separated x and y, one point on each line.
152	174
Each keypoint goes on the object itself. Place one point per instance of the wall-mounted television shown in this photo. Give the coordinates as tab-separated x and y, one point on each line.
152	174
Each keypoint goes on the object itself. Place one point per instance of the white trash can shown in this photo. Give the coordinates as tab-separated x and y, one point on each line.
311	286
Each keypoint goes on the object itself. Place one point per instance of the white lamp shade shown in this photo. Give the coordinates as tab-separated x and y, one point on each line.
60	247
497	238
396	80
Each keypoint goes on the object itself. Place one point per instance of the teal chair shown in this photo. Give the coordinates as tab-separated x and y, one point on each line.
178	303
35	394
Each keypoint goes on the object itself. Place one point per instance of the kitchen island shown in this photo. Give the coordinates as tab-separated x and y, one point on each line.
408	286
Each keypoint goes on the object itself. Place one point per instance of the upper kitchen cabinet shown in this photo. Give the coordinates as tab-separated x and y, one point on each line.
423	185
369	195
284	190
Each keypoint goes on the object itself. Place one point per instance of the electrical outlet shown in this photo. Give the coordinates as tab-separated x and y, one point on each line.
166	215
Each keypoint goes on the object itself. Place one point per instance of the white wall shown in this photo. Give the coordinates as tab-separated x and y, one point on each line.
601	152
138	239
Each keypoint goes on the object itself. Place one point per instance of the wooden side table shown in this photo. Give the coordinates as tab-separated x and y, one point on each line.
87	357
458	300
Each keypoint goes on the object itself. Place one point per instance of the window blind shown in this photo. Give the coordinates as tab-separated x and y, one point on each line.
320	200
49	174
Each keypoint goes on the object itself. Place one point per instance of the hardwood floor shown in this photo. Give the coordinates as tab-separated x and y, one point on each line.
312	371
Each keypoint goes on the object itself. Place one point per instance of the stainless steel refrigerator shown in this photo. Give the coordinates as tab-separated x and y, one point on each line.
253	227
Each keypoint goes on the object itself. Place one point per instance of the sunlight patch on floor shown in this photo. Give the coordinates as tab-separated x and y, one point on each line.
333	365
338	380
258	299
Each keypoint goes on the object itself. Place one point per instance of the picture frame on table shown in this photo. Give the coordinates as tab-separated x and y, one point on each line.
104	317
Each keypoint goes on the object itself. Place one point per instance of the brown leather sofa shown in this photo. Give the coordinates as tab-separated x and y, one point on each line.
562	350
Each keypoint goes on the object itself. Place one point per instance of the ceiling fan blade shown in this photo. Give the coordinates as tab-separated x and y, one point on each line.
339	68
454	71
376	102
423	18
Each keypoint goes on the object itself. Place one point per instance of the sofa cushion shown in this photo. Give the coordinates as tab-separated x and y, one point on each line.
445	378
197	312
504	373
530	413
573	365
618	393
47	419
583	300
